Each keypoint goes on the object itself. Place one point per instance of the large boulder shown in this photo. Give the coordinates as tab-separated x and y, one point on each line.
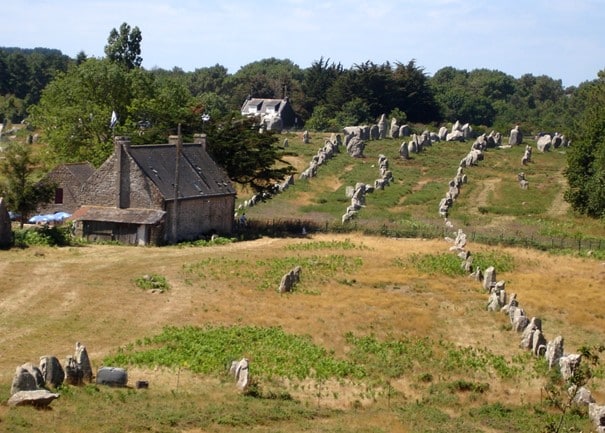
544	143
112	376
355	147
39	398
28	377
596	413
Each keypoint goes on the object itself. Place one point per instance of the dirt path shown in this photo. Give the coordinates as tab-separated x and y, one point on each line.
489	185
559	206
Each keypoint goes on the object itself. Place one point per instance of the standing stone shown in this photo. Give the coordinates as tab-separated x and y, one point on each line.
73	372
581	396
489	278
82	359
289	280
52	371
306	137
394	130
404	131
538	342
239	369
596	413
404	151
554	351
356	147
442	133
527	337
27	377
374	132
516	137
543	143
382	127
568	365
519	320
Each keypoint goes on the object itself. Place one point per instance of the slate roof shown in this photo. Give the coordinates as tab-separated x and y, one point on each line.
199	175
112	214
263	105
81	170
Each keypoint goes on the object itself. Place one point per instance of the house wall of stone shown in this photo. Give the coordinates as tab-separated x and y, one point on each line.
136	190
200	216
64	179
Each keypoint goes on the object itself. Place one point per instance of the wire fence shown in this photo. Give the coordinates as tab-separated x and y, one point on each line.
299	227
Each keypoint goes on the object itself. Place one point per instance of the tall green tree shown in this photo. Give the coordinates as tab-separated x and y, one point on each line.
75	109
22	192
250	158
124	46
586	157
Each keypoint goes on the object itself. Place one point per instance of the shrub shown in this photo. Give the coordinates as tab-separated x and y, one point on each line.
153	281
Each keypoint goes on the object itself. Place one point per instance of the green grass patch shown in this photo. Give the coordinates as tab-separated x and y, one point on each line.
152	282
451	265
210	350
345	245
266	274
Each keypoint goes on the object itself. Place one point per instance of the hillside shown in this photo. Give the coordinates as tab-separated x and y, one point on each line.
433	358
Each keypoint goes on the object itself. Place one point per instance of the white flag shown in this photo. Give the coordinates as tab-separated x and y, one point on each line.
114	119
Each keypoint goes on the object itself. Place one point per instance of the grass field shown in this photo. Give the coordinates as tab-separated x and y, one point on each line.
382	334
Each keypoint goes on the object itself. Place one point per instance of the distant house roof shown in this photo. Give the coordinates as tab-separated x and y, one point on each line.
112	214
257	106
198	174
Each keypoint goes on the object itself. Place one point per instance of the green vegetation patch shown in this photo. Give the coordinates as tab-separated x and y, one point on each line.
152	282
326	245
451	265
210	350
266	274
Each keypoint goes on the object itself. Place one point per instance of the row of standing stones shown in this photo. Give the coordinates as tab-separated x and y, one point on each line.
32	384
532	336
355	138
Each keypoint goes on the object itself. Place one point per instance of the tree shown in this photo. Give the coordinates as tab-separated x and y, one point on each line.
75	109
22	193
250	158
586	157
124	46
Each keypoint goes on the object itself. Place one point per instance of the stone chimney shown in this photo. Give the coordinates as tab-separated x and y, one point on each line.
200	139
121	146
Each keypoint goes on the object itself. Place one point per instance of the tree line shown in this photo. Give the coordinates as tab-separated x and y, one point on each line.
70	101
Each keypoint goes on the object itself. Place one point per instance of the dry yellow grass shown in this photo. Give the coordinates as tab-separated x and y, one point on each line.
52	297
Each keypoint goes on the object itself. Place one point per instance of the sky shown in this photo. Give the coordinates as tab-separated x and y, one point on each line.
562	39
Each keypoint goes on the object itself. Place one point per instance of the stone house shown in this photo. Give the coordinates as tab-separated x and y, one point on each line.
156	194
276	114
68	180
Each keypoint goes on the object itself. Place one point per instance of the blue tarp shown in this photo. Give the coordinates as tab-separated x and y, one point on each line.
47	218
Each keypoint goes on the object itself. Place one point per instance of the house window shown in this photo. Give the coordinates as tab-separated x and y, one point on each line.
59	196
